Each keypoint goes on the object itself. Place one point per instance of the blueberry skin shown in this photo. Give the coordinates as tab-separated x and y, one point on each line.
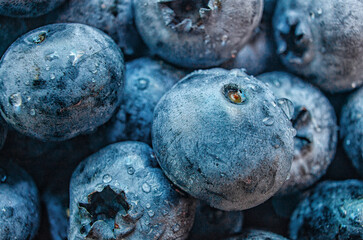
115	18
27	8
55	91
332	211
352	129
322	40
214	224
124	180
315	122
19	203
3	132
146	81
220	136
196	34
253	234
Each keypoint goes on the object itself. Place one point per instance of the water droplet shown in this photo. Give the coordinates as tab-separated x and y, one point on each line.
32	112
130	170
354	85
268	121
224	40
142	83
28	98
312	15
76	54
107	178
52	56
3	175
164	212
7	212
223	175
93	80
288	176
176	228
347	142
47	68
287	107
319	11
94	71
317	129
15	100
148	205
146	187
52	76
151	213
277	83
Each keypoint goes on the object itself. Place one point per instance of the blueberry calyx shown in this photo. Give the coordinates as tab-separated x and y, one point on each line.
187	15
234	94
294	40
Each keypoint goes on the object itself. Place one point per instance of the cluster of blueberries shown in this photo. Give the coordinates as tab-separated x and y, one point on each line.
142	119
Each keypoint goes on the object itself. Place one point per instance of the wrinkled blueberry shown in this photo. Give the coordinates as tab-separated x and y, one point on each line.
27	8
332	211
315	122
60	80
19	203
200	33
146	81
121	192
221	137
352	129
113	17
214	224
253	234
322	40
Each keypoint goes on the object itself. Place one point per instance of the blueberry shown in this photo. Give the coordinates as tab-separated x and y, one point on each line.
19	203
253	234
315	122
220	136
322	40
120	191
352	129
146	81
213	224
27	8
3	132
199	33
113	17
332	211
54	91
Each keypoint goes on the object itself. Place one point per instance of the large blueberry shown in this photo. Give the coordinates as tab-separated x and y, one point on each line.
60	80
253	234
146	81
199	33
332	211
113	17
27	8
19	203
315	122
214	224
322	40
220	136
121	192
352	129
